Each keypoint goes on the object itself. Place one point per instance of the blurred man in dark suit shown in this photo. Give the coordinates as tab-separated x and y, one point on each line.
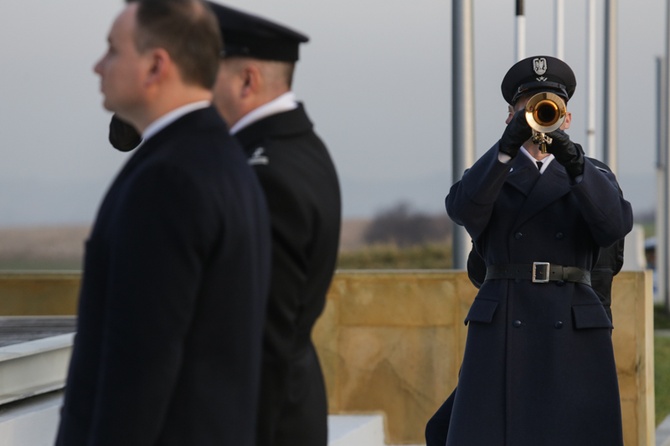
253	93
177	266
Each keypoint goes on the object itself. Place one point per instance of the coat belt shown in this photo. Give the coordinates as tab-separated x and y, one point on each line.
539	272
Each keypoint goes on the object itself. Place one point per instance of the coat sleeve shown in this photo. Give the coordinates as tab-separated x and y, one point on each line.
607	213
470	201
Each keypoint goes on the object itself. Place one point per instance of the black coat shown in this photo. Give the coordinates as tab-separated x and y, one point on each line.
303	195
609	263
168	343
538	366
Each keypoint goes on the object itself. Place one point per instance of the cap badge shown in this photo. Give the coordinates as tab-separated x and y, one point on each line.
540	67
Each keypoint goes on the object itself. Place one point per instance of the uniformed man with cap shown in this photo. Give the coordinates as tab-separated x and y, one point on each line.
253	94
538	367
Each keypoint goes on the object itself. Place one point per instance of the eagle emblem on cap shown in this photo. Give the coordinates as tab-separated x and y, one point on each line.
540	65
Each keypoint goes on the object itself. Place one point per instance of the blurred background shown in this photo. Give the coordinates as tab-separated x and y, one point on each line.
375	78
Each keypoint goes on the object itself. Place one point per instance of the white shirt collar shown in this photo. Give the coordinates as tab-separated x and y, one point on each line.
170	117
282	103
545	161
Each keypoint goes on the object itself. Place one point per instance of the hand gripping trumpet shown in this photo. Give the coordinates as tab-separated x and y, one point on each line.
545	112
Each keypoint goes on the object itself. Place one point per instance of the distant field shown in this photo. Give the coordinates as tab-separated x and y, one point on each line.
351	235
62	247
30	248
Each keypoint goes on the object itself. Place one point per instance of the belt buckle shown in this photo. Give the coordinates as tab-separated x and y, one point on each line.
540	272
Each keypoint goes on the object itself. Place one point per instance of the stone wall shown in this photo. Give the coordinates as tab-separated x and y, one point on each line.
391	342
39	294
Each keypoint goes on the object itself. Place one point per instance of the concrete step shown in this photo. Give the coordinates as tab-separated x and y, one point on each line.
663	433
31	422
356	430
34	422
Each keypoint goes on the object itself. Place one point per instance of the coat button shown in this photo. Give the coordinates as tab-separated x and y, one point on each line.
518	235
560	236
558	324
516	324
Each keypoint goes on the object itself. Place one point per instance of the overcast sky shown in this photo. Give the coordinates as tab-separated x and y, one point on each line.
375	78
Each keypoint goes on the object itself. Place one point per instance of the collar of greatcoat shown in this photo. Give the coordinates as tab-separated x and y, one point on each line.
540	190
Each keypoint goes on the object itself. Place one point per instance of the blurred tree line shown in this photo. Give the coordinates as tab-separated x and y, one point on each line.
402	226
400	237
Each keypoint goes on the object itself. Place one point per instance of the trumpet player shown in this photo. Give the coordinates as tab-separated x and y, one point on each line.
538	367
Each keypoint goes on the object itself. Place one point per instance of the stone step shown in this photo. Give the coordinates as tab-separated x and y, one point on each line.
33	367
663	433
34	422
31	422
356	430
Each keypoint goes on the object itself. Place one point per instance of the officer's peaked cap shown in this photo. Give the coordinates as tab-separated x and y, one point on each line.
538	74
249	35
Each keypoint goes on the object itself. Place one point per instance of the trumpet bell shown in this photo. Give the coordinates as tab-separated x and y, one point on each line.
545	112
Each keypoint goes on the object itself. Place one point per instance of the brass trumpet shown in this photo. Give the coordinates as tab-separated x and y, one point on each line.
545	112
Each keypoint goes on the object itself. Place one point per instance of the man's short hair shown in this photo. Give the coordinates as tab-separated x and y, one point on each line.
187	30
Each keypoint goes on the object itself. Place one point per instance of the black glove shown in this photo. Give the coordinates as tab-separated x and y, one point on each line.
569	154
517	132
122	135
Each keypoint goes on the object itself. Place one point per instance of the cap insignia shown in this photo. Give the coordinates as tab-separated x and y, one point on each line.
540	67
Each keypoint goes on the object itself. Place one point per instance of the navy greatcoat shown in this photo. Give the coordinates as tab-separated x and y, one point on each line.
303	195
172	302
538	367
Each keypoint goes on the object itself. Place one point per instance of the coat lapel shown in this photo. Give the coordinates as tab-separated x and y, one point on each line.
523	174
549	187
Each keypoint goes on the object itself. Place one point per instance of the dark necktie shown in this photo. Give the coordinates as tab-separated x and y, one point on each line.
539	164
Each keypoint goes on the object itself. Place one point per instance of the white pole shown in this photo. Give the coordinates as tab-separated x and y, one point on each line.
591	81
559	50
520	31
663	237
661	179
610	87
463	116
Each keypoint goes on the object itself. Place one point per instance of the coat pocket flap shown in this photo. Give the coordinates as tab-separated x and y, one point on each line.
482	310
590	316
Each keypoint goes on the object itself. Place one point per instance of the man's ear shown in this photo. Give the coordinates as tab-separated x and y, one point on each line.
252	80
568	119
158	63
